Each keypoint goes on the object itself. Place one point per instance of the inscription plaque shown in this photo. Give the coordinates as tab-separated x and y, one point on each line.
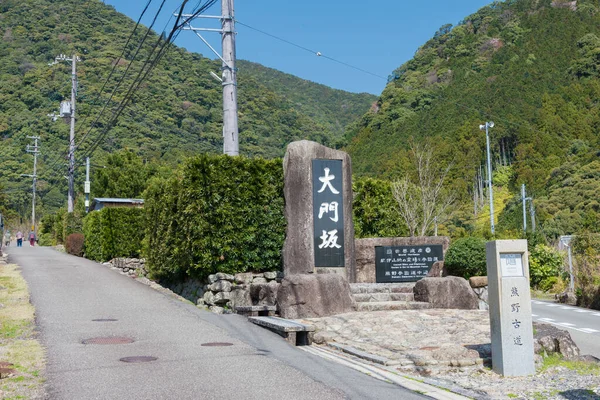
405	263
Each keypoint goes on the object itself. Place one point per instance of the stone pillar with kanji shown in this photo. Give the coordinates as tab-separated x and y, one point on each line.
318	254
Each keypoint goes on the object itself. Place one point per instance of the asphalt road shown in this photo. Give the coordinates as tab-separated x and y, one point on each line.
70	292
583	324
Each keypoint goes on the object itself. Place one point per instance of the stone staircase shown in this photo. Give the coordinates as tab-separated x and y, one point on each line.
385	296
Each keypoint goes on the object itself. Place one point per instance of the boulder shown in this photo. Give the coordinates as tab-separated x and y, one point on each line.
270	275
264	294
209	298
314	295
259	279
240	296
437	270
222	298
243	278
221	286
549	339
567	297
478	281
448	292
217	309
212	278
224	277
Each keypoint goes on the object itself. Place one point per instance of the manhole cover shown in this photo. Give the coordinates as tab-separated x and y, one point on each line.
429	348
138	359
6	372
104	320
108	340
216	344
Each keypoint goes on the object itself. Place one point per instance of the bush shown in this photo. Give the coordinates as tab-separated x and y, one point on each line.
220	214
74	244
46	239
375	212
544	263
587	269
113	232
466	258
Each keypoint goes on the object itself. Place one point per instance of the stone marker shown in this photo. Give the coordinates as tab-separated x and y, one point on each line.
510	307
318	253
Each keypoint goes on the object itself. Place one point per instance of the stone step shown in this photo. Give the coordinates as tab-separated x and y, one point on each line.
404	287
392	306
378	297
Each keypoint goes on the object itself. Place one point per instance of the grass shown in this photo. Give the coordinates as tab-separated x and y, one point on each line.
581	367
18	343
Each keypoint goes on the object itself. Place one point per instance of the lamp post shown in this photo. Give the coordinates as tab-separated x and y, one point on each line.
486	126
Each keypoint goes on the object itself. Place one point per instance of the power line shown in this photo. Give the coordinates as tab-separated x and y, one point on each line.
317	53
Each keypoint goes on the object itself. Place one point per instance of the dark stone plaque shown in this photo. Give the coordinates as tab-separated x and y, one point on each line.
405	263
328	212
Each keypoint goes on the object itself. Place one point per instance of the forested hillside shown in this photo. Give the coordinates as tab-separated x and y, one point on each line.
532	67
176	112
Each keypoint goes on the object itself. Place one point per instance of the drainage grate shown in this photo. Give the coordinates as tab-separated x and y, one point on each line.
138	359
108	340
104	320
216	344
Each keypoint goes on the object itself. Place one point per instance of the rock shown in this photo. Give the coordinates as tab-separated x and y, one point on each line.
437	270
222	298
216	309
482	295
224	277
270	275
259	280
221	286
209	298
567	297
478	281
240	296
448	292
298	249
264	294
314	295
243	278
549	339
212	278
200	302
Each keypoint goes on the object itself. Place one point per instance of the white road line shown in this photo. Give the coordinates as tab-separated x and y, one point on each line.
537	302
552	305
534	315
588	330
547	319
582	311
596	314
566	308
568	325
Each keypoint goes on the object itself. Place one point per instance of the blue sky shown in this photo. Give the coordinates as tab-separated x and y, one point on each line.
376	37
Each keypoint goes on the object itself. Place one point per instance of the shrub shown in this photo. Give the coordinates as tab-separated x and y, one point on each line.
544	263
375	212
220	214
587	269
466	257
114	232
74	244
46	239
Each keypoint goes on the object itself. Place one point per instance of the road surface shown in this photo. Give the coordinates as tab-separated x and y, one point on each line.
583	324
69	293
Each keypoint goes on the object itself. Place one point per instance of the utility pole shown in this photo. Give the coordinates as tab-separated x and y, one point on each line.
71	174
229	72
489	168
524	200
87	184
33	150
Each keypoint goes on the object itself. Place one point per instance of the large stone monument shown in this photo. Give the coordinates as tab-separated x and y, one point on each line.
318	254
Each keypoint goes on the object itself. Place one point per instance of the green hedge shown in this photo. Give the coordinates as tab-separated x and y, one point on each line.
375	211
217	214
466	257
113	232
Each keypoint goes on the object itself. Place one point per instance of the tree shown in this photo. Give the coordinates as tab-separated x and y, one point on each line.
422	198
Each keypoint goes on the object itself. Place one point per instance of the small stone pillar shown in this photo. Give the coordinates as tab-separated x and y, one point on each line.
318	254
510	307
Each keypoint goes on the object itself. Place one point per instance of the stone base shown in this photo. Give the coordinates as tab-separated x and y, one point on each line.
314	295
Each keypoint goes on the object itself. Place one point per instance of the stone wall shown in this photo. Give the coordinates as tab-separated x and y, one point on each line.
479	284
365	252
135	267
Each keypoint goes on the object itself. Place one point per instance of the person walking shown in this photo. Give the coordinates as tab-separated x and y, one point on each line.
31	238
19	237
7	238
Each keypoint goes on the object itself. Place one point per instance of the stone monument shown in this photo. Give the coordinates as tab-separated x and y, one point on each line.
318	254
510	307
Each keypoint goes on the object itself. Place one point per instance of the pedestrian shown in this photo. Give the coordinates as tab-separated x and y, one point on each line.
32	238
19	237
7	238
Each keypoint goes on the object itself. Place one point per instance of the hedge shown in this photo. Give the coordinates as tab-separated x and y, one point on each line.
217	214
113	232
375	211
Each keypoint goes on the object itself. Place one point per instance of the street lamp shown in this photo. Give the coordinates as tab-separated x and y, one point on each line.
486	126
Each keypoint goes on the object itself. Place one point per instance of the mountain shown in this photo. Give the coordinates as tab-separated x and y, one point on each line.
176	112
532	67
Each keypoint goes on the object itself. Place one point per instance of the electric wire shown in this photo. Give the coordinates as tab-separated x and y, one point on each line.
318	53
